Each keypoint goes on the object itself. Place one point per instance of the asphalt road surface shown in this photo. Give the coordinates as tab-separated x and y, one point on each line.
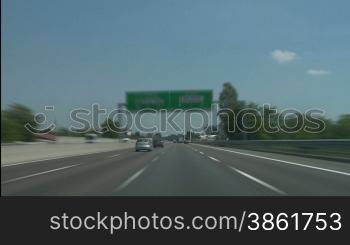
177	170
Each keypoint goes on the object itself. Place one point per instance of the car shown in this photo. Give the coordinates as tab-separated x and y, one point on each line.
124	140
158	143
186	141
90	138
174	141
144	144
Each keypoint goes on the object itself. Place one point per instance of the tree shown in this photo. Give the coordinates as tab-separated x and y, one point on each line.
229	108
10	129
266	123
13	121
110	128
342	127
137	134
62	132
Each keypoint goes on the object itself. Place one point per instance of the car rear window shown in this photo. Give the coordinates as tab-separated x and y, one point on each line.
142	140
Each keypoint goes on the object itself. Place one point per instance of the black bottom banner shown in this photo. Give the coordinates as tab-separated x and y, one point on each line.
127	220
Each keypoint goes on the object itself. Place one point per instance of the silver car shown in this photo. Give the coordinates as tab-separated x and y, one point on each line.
144	144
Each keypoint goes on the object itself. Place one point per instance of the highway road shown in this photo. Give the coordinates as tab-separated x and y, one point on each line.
177	170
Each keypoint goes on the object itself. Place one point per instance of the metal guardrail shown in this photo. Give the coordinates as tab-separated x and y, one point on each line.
329	149
318	141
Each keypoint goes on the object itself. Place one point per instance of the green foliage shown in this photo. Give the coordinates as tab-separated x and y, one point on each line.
341	128
248	127
191	135
111	129
13	121
9	129
228	99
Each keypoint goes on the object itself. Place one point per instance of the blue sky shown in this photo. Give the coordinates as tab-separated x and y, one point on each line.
77	52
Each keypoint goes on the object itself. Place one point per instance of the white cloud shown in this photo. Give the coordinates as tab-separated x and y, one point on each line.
283	56
313	72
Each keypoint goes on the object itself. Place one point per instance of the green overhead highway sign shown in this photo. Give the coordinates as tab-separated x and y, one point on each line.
169	100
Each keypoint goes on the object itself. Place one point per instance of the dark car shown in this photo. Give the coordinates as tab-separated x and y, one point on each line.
158	143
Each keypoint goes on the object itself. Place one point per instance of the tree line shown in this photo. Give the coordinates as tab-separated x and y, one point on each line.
262	122
294	126
17	116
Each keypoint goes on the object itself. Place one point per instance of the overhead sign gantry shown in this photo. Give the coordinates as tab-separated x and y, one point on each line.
169	100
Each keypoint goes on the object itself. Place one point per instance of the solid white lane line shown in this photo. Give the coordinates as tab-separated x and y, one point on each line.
155	159
37	174
259	181
201	153
114	155
212	158
131	179
282	161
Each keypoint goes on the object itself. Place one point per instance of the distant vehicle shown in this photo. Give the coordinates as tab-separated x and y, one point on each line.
187	141
174	141
180	139
90	138
212	137
144	144
208	137
125	140
158	143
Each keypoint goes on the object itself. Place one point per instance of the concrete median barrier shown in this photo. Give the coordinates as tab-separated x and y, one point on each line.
11	154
